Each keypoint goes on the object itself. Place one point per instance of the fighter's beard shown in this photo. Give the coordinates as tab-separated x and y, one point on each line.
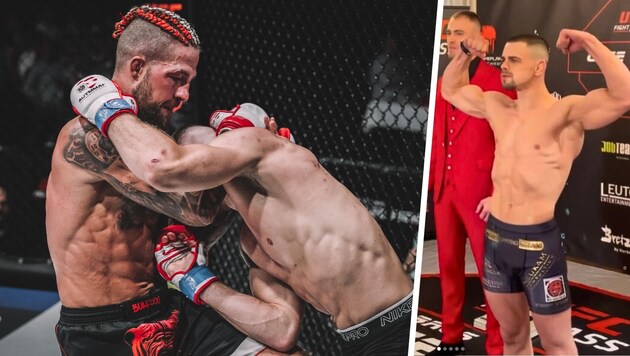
152	115
508	85
148	111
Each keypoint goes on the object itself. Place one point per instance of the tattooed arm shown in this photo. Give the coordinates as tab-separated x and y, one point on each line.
89	150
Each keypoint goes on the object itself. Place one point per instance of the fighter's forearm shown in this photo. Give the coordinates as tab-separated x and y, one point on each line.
455	76
457	90
272	324
147	152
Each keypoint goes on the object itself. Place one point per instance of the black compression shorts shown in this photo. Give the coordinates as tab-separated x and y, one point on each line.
386	333
159	323
530	259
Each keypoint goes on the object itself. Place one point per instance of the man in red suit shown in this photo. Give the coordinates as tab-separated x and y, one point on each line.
461	161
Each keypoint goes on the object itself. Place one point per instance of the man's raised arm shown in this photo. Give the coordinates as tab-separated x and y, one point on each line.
152	155
272	315
455	83
599	107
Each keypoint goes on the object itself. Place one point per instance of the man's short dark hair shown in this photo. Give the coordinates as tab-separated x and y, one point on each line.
530	39
469	15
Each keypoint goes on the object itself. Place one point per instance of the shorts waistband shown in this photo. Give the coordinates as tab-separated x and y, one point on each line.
523	229
381	320
151	304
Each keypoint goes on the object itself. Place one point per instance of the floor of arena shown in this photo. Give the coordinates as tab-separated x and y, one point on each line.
600	311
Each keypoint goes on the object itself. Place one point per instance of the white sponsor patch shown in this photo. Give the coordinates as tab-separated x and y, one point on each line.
555	289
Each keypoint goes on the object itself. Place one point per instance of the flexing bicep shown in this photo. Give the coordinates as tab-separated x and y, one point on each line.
468	98
596	109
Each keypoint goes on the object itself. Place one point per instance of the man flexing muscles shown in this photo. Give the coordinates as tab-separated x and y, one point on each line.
537	139
101	223
307	229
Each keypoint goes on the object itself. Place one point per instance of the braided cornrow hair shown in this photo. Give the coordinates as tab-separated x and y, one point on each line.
168	21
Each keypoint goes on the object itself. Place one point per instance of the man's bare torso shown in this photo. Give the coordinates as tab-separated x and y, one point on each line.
100	242
316	236
100	238
534	153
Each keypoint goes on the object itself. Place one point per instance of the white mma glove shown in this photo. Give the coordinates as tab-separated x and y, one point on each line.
100	100
191	279
243	115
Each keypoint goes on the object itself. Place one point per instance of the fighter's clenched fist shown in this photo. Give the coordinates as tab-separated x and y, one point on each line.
100	100
476	46
571	41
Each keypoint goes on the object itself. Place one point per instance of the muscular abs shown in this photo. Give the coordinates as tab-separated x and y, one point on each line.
100	232
314	235
533	158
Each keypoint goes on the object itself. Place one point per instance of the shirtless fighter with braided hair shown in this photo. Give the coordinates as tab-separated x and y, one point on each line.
101	222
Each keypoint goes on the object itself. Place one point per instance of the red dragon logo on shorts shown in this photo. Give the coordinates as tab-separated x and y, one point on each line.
555	288
153	339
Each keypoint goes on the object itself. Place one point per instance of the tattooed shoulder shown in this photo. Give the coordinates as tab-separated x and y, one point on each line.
89	149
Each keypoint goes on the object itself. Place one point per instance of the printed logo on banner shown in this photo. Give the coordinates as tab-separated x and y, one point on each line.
620	243
619	54
612	193
623	24
581	62
554	289
620	149
598	329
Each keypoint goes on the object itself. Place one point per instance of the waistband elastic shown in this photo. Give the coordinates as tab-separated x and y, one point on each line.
151	304
386	318
523	229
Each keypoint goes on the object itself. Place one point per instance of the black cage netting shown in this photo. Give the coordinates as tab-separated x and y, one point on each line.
350	78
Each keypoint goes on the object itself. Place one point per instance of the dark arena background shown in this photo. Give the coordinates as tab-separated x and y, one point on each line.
350	79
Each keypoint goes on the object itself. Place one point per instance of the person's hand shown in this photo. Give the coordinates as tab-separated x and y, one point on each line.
571	41
179	262
243	115
475	46
271	125
483	208
100	101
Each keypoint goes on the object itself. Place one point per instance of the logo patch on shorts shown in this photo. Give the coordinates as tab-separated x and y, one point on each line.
555	289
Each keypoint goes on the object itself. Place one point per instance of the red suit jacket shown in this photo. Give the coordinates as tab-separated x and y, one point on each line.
463	146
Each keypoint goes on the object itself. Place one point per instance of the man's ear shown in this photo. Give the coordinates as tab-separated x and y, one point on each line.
137	67
541	67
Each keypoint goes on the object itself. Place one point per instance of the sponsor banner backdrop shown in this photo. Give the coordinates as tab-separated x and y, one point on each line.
593	209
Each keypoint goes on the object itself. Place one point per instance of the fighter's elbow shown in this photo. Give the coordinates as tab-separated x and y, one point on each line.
448	93
286	341
159	174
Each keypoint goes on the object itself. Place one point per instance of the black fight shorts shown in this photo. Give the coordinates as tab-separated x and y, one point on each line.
530	259
159	323
385	334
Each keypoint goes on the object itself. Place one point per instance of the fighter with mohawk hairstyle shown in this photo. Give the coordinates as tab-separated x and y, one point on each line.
101	222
